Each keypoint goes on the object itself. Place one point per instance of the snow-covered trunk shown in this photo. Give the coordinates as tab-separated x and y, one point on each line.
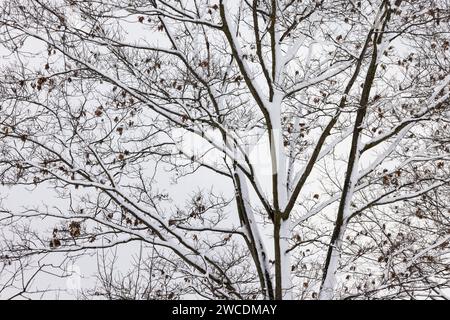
334	251
285	233
282	260
283	284
329	280
335	246
256	243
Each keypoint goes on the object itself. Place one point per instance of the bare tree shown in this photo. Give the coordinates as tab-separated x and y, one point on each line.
322	127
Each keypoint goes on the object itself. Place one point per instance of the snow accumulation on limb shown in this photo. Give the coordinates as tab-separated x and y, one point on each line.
202	133
254	235
166	234
316	155
431	104
180	15
351	177
230	32
322	77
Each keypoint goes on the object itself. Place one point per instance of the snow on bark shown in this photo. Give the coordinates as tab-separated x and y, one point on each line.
286	280
277	150
330	281
329	284
254	233
282	235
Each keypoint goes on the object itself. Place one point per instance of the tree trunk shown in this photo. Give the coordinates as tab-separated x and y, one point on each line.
283	287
